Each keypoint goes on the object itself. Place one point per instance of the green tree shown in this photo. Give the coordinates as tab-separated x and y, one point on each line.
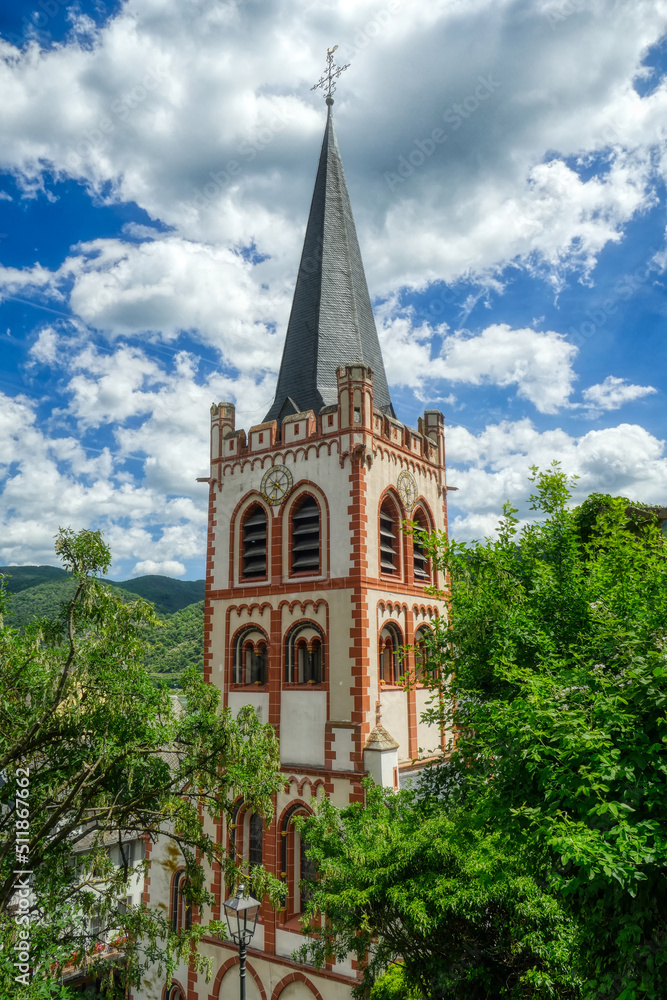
91	751
551	810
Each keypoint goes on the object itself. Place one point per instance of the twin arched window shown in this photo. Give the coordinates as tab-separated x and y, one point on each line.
390	542
305	555
304	659
251	658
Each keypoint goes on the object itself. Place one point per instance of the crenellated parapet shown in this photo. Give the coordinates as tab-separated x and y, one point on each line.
353	417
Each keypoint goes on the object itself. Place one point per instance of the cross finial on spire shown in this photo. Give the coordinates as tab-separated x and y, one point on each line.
331	74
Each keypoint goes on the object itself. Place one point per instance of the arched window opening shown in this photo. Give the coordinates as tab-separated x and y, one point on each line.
388	538
306	537
255	838
181	909
251	658
254	543
305	656
296	867
420	559
307	873
390	643
174	992
421	654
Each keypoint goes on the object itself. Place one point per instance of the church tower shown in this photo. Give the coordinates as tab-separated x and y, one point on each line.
312	588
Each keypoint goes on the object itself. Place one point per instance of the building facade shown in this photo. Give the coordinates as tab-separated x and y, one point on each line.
312	587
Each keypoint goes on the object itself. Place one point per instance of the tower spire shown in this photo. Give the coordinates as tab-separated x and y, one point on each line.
331	322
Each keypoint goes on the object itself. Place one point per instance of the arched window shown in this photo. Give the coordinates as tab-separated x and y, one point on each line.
174	992
305	554
246	835
420	559
251	658
389	558
304	660
254	554
422	636
390	644
181	909
296	867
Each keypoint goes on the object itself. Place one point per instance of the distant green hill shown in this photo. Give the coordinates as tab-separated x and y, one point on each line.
21	577
177	644
166	594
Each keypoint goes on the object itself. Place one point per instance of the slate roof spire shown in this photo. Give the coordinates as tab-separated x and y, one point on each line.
331	322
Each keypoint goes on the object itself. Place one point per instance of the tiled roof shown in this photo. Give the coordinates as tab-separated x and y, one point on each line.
332	321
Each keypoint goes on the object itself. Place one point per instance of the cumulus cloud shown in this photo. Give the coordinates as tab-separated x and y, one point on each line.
538	363
168	567
492	466
614	392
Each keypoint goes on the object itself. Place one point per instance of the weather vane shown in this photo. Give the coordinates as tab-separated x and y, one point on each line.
331	74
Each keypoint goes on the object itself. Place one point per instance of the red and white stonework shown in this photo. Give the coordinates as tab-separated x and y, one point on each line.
312	591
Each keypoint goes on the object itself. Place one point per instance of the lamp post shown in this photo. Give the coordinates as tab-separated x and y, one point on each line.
241	912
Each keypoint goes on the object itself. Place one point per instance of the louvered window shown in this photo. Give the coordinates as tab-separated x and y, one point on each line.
306	537
388	540
254	544
420	559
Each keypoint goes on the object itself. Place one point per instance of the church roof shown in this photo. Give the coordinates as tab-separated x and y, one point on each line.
331	322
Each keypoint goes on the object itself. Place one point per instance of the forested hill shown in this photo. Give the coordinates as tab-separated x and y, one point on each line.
39	591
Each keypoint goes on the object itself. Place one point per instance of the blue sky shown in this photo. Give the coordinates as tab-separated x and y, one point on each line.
506	161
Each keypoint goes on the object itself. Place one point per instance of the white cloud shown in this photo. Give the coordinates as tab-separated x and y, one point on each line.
168	567
538	363
492	466
614	392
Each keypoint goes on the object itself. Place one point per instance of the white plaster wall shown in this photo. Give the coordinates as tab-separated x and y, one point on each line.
302	718
341	701
287	942
428	737
259	701
380	765
394	706
229	987
343	747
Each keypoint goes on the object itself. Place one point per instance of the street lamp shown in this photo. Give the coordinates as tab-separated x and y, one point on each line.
241	912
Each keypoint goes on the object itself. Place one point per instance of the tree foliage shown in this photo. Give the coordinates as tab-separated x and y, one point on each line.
553	801
92	752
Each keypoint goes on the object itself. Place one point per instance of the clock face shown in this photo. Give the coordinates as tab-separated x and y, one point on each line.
276	484
407	489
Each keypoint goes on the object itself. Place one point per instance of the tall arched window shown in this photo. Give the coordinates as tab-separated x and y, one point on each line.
305	554
254	554
304	659
390	644
420	559
251	659
174	992
296	867
389	557
181	909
